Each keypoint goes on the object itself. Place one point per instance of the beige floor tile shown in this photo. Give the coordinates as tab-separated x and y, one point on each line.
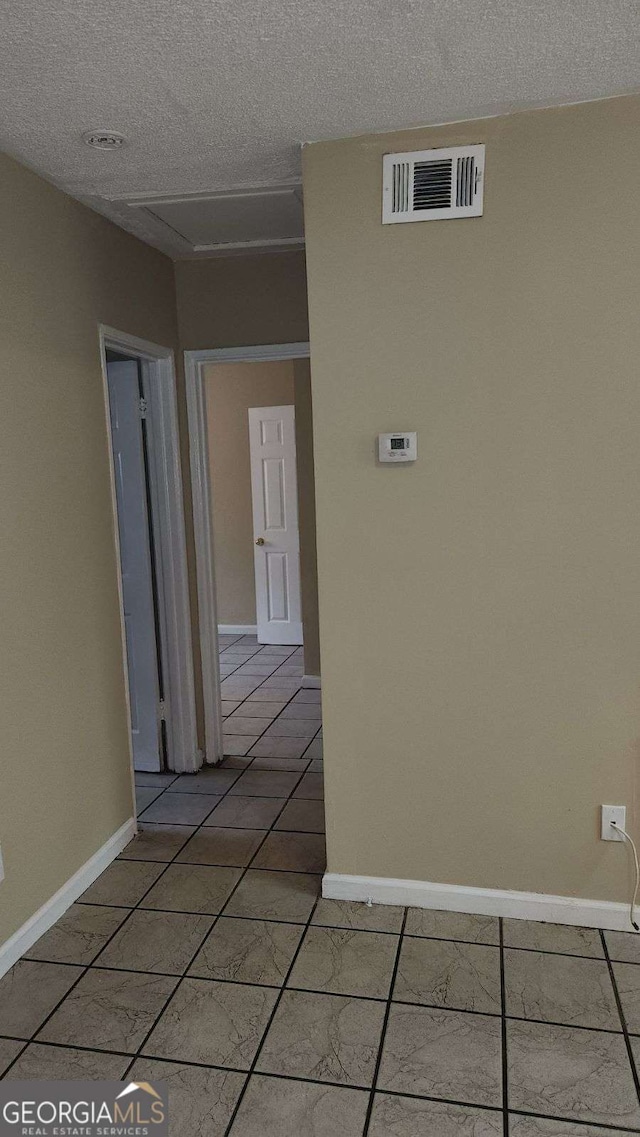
220	846
442	973
265	783
583	1075
300	710
145	795
264	709
274	896
109	1010
181	809
142	778
452	926
542	1127
61	1063
345	962
29	992
246	812
193	888
211	781
229	706
552	937
623	946
238	744
302	815
9	1049
201	1101
219	1024
410	1117
273	1107
560	989
161	942
352	914
235	762
293	852
79	935
329	1038
246	724
292	728
294	765
257	668
628	983
270	694
309	695
248	951
279	748
443	1054
311	786
157	842
124	883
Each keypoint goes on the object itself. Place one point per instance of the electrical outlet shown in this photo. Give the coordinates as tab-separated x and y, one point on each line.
609	813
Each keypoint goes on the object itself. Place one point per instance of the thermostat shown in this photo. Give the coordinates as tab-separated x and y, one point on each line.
398	447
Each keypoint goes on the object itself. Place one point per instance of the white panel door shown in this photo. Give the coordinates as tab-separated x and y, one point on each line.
135	561
272	441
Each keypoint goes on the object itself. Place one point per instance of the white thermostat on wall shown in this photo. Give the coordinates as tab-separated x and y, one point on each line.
398	447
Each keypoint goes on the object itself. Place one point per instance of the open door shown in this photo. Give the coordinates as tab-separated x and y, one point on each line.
125	407
272	443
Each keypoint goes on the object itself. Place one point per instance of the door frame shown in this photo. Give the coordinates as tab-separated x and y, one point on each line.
168	528
194	364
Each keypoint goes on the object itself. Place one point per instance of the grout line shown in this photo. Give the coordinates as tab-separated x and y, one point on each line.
270	1020
603	1127
503	1035
385	1021
623	1021
206	936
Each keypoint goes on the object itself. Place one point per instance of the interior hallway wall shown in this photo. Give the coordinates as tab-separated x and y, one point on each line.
480	609
66	783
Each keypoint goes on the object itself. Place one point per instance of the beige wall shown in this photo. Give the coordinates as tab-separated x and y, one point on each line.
230	390
237	301
307	516
480	610
66	784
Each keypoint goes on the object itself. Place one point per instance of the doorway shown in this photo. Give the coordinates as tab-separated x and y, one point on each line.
142	421
247	446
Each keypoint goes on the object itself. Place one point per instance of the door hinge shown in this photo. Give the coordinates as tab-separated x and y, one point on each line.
162	710
143	407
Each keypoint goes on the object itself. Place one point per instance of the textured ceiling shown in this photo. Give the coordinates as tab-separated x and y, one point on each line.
219	93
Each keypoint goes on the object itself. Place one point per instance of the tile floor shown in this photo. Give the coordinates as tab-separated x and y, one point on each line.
204	956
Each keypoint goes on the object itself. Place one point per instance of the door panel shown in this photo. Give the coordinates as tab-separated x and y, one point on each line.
275	520
135	563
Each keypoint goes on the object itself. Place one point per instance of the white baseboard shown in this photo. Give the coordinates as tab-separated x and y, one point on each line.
53	909
237	629
483	901
311	681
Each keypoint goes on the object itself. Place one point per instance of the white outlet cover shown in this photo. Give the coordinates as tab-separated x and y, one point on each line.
617	813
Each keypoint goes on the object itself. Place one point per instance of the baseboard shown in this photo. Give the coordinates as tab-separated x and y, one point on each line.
311	681
53	909
237	629
483	901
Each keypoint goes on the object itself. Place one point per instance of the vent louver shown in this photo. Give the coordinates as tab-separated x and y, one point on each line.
431	185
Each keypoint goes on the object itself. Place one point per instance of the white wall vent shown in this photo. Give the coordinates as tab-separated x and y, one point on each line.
430	185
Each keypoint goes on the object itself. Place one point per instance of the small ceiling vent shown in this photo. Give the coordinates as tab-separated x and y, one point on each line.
431	185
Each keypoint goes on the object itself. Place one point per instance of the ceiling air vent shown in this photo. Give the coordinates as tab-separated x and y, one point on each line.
430	185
